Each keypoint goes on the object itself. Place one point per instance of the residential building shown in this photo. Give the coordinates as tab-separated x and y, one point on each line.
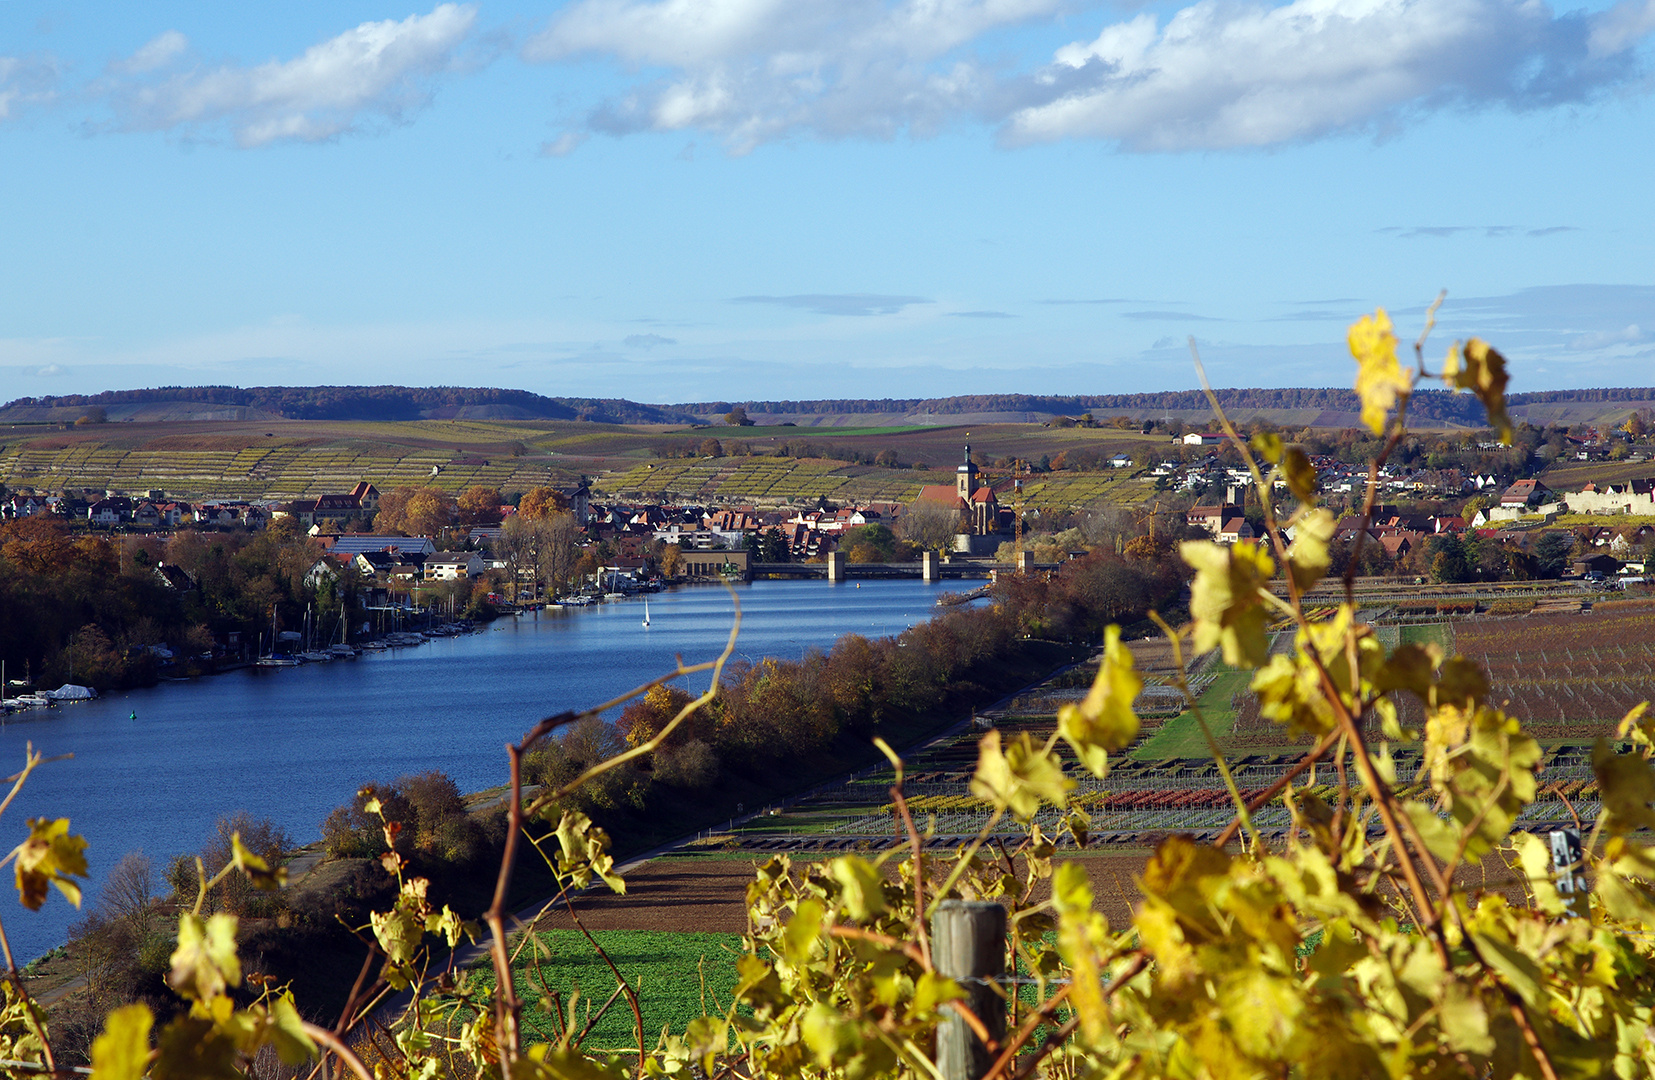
453	566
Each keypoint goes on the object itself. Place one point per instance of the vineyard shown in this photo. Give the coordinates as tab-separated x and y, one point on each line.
1147	796
1568	676
276	471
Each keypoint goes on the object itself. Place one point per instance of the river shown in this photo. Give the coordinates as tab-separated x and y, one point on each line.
291	744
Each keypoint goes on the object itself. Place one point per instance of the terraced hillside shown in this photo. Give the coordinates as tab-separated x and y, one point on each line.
283	459
277	471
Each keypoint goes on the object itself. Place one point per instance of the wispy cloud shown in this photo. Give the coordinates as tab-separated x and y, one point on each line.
1603	339
648	341
1103	301
1168	316
981	315
839	303
1553	230
377	72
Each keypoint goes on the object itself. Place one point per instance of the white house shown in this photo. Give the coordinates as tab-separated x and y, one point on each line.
453	566
1203	438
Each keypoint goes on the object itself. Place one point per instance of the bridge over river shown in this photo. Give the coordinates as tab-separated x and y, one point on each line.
929	568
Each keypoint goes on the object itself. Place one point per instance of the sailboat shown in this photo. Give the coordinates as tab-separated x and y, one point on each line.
273	658
339	649
646	611
312	654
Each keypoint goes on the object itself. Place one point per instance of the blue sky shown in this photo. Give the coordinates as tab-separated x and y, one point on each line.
675	200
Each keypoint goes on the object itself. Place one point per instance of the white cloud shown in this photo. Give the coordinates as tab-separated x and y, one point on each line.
753	71
160	51
1221	75
1621	27
1215	74
24	81
378	70
564	145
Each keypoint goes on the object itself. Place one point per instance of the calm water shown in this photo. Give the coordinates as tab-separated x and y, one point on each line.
292	743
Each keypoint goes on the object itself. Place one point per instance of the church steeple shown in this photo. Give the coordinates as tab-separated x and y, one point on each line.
965	477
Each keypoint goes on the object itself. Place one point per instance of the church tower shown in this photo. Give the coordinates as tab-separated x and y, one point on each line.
965	477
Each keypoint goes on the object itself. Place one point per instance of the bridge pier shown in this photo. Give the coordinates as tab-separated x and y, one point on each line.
929	566
1025	561
836	566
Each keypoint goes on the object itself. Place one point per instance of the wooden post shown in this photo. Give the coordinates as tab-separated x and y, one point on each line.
968	944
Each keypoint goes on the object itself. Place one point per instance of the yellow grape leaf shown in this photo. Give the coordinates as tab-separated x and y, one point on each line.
1300	474
1290	692
802	930
1019	777
1224	599
1307	557
122	1051
1464	1020
1104	720
831	1036
932	991
585	852
205	962
287	1032
1638	725
1379	377
1081	931
257	870
1627	783
1479	368
545	1061
861	888
1267	445
50	856
194	1048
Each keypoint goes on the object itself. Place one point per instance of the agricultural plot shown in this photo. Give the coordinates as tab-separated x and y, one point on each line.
678	976
763	480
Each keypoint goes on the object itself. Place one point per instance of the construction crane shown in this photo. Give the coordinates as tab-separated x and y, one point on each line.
1018	470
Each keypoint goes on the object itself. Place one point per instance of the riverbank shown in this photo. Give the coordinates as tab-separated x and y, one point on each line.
291	744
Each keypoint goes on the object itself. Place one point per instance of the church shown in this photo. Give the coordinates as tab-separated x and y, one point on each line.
980	513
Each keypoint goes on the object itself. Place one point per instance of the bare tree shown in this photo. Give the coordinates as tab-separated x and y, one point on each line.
129	891
558	534
930	524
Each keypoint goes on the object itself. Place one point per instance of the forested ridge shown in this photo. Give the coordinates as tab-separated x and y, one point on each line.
389	402
444	402
374	402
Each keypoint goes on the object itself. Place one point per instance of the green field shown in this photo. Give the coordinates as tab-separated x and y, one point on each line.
1181	736
678	977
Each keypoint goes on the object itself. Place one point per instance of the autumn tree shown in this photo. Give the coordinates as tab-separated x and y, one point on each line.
416	511
478	505
541	501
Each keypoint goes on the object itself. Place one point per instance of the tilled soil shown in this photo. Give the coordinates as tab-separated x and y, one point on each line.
709	893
